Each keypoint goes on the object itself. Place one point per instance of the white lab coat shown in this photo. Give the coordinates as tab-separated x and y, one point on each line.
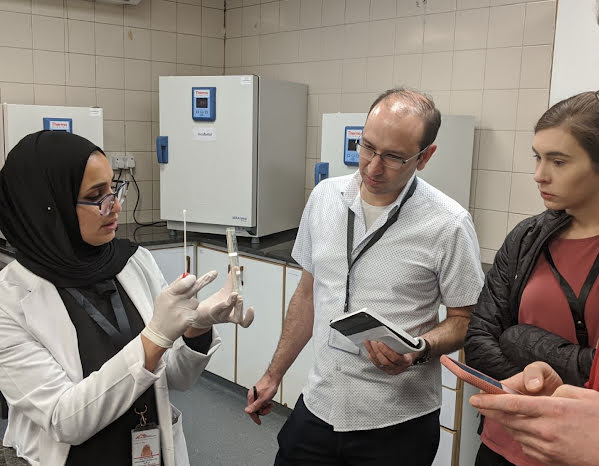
51	405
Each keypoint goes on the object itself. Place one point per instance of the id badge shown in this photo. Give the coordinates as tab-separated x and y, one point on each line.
339	341
145	446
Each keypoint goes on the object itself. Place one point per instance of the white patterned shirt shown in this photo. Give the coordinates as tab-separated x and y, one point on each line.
429	254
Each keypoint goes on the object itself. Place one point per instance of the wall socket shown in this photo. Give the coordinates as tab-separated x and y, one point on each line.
121	162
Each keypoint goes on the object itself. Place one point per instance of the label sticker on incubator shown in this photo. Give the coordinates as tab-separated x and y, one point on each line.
245	80
204	134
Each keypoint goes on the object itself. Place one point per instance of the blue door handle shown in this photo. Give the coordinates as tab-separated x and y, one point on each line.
321	172
162	149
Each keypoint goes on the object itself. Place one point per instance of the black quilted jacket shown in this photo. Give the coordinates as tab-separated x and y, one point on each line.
495	343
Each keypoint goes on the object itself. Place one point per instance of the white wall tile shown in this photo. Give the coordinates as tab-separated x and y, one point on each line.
138	106
21	61
524	162
441	98
233	52
112	14
139	16
189	19
506	26
379	74
164	46
163	15
289	15
357	11
439	32
381	38
491	228
17	93
493	190
310	13
502	69
138	43
539	27
467	103
15	30
48	7
269	17
409	35
251	2
45	94
189	49
282	47
250	20
466	4
324	77
436	71
250	51
49	67
213	23
81	37
410	8
114	136
109	40
382	9
496	150
80	70
233	23
213	52
143	167
161	69
440	6
20	6
500	109
333	42
138	75
48	33
310	44
333	12
407	70
525	197
532	103
220	4
138	136
468	69
357	103
80	96
113	103
356	40
536	66
515	219
471	29
110	72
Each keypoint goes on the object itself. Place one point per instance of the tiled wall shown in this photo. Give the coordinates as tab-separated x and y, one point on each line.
80	53
488	58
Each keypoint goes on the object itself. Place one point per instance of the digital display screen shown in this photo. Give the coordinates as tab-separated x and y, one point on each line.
201	102
352	144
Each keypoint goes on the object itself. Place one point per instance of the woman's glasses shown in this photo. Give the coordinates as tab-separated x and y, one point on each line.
107	202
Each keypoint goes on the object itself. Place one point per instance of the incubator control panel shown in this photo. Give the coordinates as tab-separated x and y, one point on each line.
350	145
203	103
58	124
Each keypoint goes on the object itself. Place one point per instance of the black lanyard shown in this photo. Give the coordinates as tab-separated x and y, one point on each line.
121	336
576	304
379	233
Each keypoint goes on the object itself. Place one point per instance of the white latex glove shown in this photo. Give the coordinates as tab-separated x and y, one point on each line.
175	309
224	306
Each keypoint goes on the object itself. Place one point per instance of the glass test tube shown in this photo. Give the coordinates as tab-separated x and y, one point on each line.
234	259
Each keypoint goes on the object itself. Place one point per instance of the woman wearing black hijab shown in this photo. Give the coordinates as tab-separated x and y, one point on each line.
91	338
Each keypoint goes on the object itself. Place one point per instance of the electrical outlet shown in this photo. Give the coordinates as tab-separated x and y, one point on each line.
120	162
129	161
114	162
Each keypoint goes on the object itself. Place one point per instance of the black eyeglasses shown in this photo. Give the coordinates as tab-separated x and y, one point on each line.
389	160
107	202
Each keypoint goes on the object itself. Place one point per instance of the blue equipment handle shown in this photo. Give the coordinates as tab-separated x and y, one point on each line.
162	149
321	172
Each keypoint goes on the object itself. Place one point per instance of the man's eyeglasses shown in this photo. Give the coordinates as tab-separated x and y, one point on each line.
389	160
107	202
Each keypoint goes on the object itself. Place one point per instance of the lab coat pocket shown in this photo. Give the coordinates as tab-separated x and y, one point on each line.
179	444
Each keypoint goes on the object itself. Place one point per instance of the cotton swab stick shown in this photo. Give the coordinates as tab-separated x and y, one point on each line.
185	272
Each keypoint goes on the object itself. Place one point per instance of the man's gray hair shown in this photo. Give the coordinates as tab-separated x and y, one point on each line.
418	104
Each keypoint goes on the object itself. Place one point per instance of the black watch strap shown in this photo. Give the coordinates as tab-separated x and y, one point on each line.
426	356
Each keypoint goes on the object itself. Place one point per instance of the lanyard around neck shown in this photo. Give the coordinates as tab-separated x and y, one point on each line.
121	336
577	304
377	235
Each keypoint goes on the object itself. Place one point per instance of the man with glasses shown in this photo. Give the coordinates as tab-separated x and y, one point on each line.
388	241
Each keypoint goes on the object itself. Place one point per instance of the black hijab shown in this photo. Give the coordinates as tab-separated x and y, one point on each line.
39	186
